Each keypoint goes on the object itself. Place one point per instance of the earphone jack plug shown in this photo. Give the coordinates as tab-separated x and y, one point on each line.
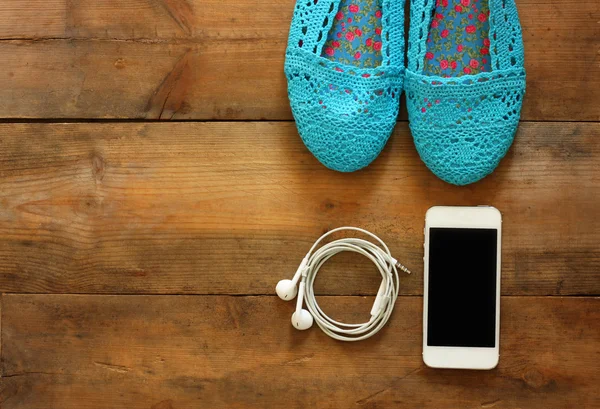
402	267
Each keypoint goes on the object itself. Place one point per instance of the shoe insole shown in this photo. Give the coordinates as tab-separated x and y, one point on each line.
355	35
458	43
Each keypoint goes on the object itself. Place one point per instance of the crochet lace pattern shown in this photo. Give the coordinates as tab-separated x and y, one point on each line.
344	114
463	126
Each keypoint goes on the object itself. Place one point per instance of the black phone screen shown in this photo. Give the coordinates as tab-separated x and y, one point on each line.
461	308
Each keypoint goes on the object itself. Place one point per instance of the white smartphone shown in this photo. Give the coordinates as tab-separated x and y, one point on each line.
461	300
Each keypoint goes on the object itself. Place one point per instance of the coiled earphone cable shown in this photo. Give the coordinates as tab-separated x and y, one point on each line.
384	301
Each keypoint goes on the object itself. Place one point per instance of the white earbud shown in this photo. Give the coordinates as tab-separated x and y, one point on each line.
301	319
286	289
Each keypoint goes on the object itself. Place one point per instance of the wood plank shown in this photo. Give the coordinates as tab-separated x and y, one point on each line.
98	79
231	208
241	352
203	59
145	19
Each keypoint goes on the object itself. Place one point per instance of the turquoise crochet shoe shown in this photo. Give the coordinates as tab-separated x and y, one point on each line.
464	84
345	67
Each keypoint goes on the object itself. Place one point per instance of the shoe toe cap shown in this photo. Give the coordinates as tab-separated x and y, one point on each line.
462	128
344	143
344	119
463	159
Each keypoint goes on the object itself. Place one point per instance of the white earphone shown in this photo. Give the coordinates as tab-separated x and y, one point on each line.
384	302
287	290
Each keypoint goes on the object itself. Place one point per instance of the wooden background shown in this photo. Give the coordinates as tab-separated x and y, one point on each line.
138	258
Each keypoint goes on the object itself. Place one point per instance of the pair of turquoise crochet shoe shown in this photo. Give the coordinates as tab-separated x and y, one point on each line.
464	81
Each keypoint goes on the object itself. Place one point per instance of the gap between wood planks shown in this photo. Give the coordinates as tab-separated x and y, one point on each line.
141	40
100	294
150	121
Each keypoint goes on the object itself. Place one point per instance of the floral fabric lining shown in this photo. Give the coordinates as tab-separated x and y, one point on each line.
458	42
355	36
